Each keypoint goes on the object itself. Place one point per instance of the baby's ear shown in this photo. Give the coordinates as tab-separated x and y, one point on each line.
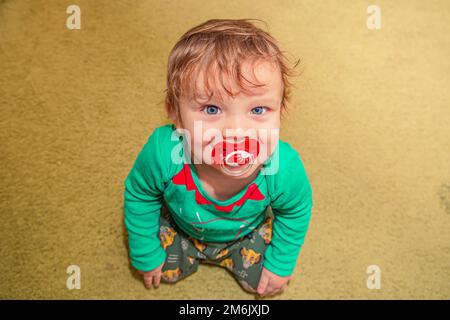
173	119
176	121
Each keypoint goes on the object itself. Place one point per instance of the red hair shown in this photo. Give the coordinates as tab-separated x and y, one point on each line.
221	44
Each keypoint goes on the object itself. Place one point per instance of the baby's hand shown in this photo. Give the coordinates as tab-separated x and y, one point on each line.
270	283
152	277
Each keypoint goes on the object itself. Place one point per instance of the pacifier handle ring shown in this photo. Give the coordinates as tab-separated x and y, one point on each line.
227	158
235	173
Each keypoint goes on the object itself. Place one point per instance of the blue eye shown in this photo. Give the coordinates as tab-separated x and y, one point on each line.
259	110
211	109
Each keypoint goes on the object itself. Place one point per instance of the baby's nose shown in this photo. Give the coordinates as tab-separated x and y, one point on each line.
234	133
235	122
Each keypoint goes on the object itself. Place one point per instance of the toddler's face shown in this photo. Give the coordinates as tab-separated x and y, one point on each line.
255	115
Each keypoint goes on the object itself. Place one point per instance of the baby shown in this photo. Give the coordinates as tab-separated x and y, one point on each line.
217	185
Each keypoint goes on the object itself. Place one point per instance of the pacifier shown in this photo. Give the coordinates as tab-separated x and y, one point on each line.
235	157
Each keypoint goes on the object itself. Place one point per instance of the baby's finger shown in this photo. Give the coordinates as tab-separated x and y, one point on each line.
148	282
278	291
269	291
156	280
262	294
263	284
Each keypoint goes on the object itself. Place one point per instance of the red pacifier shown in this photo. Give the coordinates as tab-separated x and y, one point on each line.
235	157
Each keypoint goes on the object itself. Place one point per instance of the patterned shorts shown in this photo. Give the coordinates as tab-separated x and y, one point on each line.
243	257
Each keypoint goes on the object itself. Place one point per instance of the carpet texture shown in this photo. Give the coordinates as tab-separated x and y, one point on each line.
370	118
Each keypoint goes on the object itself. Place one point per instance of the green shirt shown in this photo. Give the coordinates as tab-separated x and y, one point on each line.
282	184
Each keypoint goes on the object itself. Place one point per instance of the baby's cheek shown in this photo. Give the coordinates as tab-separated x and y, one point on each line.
265	152
200	151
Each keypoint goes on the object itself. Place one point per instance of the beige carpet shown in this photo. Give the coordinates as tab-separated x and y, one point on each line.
370	118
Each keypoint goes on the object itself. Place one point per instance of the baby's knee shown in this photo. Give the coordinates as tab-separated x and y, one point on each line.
171	275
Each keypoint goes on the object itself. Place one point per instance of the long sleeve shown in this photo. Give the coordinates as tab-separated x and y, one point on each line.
291	207
144	187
